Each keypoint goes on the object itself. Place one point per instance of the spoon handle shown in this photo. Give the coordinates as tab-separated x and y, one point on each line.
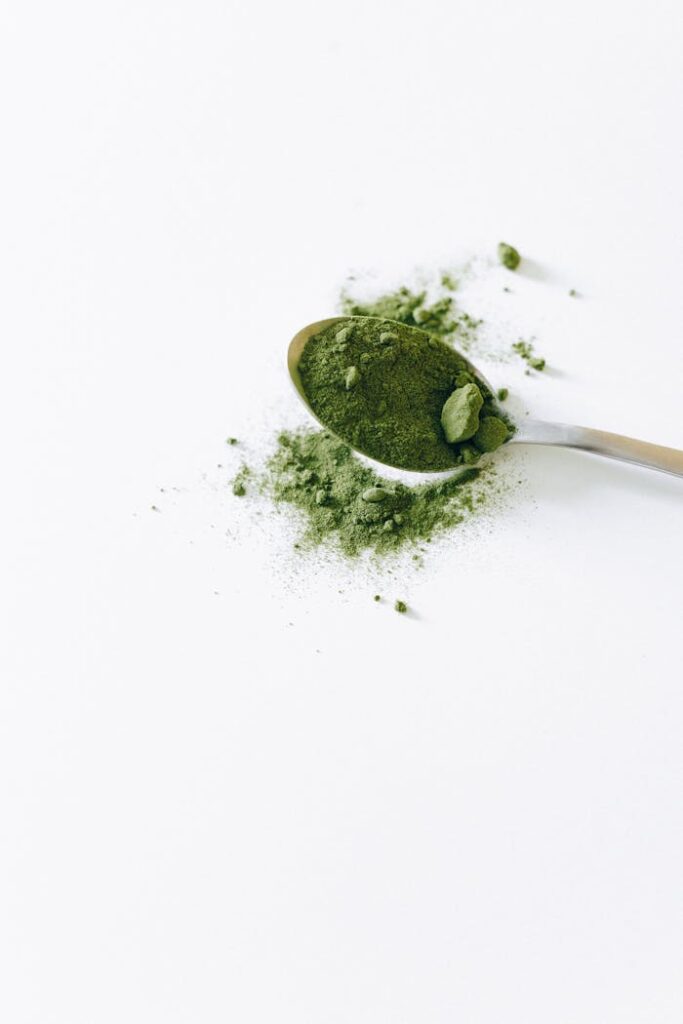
600	442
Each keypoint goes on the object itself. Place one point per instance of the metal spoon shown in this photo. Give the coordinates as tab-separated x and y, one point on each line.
528	431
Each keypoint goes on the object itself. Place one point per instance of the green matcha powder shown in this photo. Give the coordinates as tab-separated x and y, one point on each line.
405	398
400	395
347	503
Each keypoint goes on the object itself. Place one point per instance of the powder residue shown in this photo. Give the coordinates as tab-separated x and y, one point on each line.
240	480
347	504
525	349
442	317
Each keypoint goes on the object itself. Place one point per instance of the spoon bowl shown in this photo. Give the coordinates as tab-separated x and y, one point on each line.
295	352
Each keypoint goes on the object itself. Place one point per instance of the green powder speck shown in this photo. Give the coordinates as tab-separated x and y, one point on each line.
392	412
492	433
508	256
231	440
401	606
377	597
502	394
525	349
239	482
307	461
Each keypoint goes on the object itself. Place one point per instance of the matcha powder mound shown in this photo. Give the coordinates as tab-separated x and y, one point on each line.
382	386
346	503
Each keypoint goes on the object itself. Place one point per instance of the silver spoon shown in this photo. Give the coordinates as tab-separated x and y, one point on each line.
528	431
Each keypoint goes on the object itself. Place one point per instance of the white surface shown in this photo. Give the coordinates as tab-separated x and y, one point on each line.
279	802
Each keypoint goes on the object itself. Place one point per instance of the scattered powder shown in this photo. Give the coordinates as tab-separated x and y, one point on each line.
525	349
346	504
401	606
442	317
239	481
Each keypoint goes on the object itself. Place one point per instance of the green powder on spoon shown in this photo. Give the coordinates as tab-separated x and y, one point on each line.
399	395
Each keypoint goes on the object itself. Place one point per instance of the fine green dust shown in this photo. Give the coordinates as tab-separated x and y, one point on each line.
525	349
345	504
241	480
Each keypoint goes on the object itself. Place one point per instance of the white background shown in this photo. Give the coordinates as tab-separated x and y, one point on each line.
232	788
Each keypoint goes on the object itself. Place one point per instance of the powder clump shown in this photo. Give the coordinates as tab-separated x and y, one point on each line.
460	414
508	256
492	433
